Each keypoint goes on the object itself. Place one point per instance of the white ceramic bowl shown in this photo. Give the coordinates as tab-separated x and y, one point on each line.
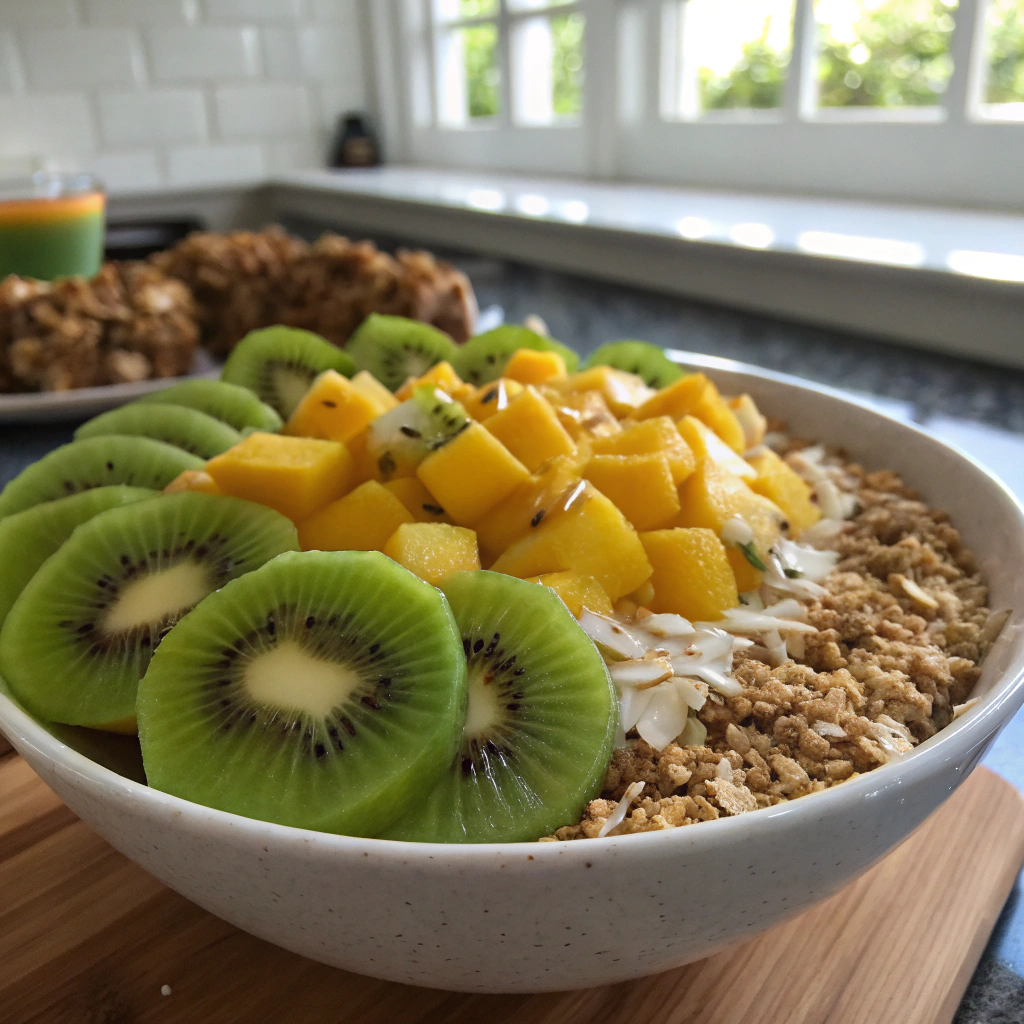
532	917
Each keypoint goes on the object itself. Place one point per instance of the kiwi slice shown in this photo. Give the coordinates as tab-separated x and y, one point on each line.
483	358
236	406
326	691
394	348
400	439
81	634
96	462
279	364
185	428
539	725
27	539
647	361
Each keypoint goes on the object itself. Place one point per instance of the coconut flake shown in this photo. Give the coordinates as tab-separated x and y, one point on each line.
894	739
962	709
916	593
663	718
776	647
665	624
618	816
641	672
695	733
829	730
610	634
822	532
736	531
740	620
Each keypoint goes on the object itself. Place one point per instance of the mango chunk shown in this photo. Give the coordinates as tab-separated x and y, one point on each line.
707	445
294	475
530	430
641	486
364	465
691	574
529	502
678	399
711	497
782	485
193	480
334	409
623	392
372	388
471	474
576	591
658	436
754	425
442	375
529	366
433	551
714	411
363	520
589	536
488	399
584	415
422	505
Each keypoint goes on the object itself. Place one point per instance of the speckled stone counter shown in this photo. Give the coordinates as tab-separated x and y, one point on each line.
977	407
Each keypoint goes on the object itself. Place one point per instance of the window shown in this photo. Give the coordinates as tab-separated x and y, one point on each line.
919	100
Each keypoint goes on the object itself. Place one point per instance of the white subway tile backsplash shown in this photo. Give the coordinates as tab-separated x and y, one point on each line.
330	52
208	165
75	58
127	171
118	13
17	166
10	74
45	126
140	118
262	110
338	12
252	10
295	154
190	54
38	13
338	98
282	59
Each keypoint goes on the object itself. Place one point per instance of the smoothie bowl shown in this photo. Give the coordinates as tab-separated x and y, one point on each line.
684	819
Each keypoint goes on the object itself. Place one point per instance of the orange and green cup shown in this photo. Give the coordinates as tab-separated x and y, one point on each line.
51	225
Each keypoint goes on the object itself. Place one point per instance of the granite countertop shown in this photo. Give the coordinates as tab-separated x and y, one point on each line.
978	407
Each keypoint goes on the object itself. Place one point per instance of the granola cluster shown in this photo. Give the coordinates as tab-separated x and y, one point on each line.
901	633
129	323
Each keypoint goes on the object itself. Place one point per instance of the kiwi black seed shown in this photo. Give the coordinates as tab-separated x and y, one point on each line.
540	720
278	364
326	690
185	428
647	361
80	635
27	539
236	406
96	462
483	358
394	348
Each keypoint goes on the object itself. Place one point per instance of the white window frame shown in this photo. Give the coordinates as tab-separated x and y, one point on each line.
950	155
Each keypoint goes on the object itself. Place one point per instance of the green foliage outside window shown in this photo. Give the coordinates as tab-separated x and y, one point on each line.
480	50
567	35
1005	52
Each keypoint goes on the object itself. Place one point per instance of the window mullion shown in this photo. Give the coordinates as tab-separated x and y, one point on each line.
963	95
505	84
432	69
800	95
600	99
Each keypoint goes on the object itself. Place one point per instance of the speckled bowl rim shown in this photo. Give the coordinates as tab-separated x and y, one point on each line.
968	732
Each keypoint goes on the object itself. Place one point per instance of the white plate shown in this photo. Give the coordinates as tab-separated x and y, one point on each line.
80	403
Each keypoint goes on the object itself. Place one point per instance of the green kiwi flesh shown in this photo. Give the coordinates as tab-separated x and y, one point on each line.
81	634
406	435
483	358
236	406
394	348
96	462
185	428
647	361
278	364
325	691
540	719
27	539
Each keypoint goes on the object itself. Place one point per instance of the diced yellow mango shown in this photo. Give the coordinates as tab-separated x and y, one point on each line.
294	475
471	474
512	518
714	411
433	551
334	409
677	399
193	480
658	435
488	399
711	497
643	595
590	536
782	485
707	445
578	592
584	415
623	392
363	520
753	423
531	367
691	576
422	505
442	375
364	464
372	388
530	430
641	486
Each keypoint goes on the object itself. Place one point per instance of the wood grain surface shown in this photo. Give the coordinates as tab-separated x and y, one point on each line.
86	937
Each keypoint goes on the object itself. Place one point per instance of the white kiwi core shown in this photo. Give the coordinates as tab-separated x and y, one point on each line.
290	678
157	597
483	711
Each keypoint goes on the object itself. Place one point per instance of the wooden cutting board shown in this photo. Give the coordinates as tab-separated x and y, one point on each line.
86	937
